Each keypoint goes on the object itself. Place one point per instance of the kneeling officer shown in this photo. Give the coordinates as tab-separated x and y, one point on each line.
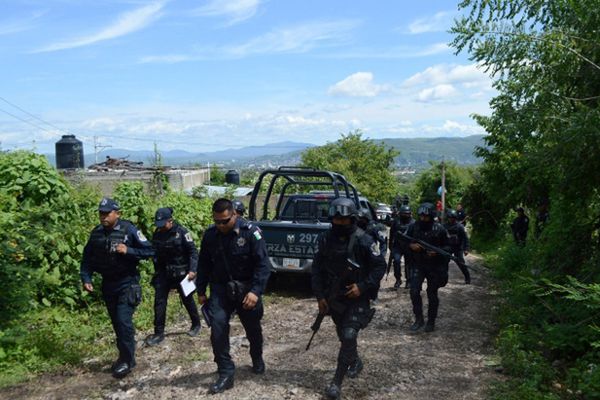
175	258
114	250
346	273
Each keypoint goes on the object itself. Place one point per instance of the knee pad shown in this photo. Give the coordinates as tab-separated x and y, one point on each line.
349	333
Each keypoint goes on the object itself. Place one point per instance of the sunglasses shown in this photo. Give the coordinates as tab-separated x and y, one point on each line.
222	221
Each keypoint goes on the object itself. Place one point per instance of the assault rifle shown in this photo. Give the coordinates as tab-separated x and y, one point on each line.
338	290
433	248
389	265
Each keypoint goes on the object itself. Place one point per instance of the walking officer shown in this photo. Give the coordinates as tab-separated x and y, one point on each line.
175	258
114	250
400	246
234	261
427	265
520	227
458	241
238	207
346	273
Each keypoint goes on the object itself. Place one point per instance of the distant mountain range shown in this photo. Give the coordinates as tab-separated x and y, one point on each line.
414	153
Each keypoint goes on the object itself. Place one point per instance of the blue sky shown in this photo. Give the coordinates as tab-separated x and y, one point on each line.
213	74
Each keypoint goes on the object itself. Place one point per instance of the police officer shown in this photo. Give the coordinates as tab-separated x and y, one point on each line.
520	227
175	258
458	241
234	260
346	273
238	207
376	230
114	250
399	245
427	265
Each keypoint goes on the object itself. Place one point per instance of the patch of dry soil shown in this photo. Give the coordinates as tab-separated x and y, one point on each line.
447	364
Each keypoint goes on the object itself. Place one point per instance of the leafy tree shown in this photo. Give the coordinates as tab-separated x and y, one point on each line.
543	146
365	164
457	179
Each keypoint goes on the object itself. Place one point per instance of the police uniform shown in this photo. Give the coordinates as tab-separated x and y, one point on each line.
459	243
240	255
120	278
175	256
399	248
330	276
433	268
520	227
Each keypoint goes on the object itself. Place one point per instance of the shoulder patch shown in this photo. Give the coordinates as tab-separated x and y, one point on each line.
257	235
188	237
141	236
375	249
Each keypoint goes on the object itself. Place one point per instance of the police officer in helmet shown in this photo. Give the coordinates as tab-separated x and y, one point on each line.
175	258
234	261
458	241
428	265
114	250
346	272
238	207
399	245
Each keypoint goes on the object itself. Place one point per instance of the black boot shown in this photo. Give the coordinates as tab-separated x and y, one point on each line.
430	326
333	391
222	384
419	322
155	339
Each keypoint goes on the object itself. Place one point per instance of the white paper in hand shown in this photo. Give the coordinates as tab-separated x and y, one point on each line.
187	286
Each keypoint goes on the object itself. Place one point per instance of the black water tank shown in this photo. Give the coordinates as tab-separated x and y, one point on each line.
232	177
69	153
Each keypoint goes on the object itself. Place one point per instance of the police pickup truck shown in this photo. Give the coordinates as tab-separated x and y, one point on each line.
294	211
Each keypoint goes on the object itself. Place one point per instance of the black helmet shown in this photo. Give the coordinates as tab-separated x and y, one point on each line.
405	210
238	207
364	213
342	207
451	213
427	209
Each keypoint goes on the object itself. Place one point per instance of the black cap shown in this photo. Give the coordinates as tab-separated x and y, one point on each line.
108	205
162	216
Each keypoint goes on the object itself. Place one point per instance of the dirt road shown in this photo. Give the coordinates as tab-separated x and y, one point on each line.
447	364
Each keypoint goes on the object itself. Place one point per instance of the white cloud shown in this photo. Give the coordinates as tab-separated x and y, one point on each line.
449	74
295	39
359	84
235	11
126	23
436	23
400	52
8	27
437	93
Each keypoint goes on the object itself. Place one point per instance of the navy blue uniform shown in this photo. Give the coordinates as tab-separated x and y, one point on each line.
330	278
120	278
433	268
175	256
459	243
243	252
399	248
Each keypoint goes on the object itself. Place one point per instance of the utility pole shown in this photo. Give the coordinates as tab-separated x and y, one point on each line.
98	148
443	190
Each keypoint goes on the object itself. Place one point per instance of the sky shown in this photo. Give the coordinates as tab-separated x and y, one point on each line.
208	75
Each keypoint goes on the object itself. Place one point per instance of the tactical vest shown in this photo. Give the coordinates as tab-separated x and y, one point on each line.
401	228
104	257
169	248
335	255
432	237
453	235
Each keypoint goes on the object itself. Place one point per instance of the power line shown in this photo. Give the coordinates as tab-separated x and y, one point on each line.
95	138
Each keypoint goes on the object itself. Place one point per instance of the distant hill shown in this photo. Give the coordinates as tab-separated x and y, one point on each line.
417	152
414	153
